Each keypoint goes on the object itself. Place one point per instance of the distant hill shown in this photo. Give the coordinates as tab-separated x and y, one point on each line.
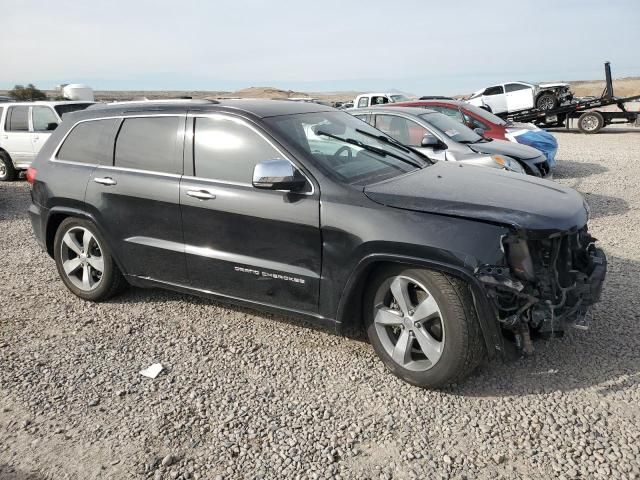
623	87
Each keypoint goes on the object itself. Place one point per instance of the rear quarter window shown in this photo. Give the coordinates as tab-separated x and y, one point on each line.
149	143
90	142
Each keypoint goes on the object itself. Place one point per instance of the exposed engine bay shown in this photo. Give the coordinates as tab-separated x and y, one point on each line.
547	283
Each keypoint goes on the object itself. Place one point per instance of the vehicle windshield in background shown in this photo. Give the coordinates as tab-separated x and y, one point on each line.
346	147
70	107
451	128
399	98
488	116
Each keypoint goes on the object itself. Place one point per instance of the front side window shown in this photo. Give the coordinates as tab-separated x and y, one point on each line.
44	119
451	128
345	147
90	142
404	130
18	119
148	143
497	90
227	149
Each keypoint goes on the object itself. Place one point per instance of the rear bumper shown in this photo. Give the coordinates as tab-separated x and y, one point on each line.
38	216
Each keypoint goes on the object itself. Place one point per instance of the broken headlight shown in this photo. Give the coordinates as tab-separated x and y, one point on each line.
508	163
519	259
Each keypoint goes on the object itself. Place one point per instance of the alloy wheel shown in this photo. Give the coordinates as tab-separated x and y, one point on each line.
3	169
81	256
409	324
546	103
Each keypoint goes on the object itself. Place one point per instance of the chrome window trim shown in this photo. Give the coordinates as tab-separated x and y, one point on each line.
244	122
54	155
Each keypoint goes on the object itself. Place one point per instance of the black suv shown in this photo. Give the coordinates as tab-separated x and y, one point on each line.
305	210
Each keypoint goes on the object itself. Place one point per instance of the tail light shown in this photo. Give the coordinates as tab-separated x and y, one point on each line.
31	175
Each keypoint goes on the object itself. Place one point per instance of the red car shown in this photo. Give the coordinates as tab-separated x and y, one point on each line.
492	125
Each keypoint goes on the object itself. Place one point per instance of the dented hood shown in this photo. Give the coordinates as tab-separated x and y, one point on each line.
485	194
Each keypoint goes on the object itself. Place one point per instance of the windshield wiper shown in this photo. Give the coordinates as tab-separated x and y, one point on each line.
380	151
384	138
397	144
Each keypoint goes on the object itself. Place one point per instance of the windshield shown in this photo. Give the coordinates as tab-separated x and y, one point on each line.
451	128
342	145
482	113
70	107
399	98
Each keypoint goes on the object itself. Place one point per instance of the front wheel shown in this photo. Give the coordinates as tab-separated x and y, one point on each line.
84	261
547	101
423	326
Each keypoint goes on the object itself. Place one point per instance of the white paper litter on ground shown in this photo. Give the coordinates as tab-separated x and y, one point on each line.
152	371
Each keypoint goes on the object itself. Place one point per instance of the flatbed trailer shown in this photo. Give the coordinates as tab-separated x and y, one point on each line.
590	120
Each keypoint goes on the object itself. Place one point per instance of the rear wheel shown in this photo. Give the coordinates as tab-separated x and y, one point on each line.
84	261
547	101
423	326
7	172
590	122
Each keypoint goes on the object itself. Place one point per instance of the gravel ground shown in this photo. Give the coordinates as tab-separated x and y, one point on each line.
247	395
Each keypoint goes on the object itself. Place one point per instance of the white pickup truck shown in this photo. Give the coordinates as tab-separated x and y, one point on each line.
24	127
374	99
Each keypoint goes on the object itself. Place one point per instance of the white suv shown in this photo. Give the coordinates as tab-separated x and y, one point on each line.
24	127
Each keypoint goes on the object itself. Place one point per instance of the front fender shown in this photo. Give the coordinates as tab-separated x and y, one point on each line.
487	315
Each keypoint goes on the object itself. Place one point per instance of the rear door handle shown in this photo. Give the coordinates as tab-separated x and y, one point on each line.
105	180
201	194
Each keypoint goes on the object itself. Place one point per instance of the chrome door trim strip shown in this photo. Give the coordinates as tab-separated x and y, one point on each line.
224	256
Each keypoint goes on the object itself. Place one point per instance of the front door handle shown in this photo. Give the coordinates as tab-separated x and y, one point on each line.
105	180
201	194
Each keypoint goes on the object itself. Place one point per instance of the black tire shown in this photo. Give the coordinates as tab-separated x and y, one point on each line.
111	280
7	172
546	101
463	344
590	122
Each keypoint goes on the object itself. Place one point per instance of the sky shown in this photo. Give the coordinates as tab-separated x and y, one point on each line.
416	46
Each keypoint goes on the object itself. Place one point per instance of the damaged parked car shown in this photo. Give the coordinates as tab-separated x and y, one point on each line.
442	138
489	125
441	263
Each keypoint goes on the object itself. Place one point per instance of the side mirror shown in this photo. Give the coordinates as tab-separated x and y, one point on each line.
431	141
278	175
52	126
479	131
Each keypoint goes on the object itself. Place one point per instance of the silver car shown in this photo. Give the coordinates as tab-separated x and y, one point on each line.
442	138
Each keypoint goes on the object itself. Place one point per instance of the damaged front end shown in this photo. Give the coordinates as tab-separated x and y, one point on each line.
547	283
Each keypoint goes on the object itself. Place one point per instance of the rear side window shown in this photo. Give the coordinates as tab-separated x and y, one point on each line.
148	144
90	142
18	119
227	150
363	102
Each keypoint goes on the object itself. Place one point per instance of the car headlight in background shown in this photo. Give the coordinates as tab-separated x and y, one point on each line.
508	163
